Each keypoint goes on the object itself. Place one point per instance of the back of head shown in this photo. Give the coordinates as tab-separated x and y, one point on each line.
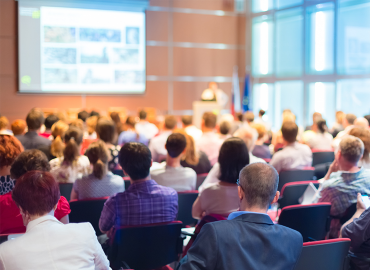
316	116
35	119
233	157
259	181
351	149
4	123
94	113
58	130
29	160
361	122
18	127
364	136
225	127
339	115
209	120
239	116
367	117
176	144
321	125
142	115
131	121
136	160
91	123
350	118
170	122
83	115
261	113
98	156
51	120
289	131
73	140
191	156
115	117
78	123
249	116
36	192
10	149
261	129
106	130
187	120
248	135
288	116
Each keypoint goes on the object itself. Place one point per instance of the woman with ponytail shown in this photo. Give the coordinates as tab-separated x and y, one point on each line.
322	139
70	165
102	182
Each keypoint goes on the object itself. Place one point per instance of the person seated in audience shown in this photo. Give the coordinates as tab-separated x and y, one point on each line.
249	135
348	124
190	129
106	132
222	197
277	142
144	127
157	144
260	150
90	132
294	155
224	129
72	165
316	116
117	121
321	139
261	121
10	217
344	180
130	134
248	117
50	120
10	149
364	136
102	182
149	202
78	123
367	117
4	125
171	173
197	160
210	142
19	127
338	125
58	131
95	113
71	246
83	115
31	140
248	239
361	122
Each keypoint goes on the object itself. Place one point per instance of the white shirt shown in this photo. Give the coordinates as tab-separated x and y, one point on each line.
194	132
221	96
293	156
50	244
64	173
179	178
210	143
157	146
146	128
321	141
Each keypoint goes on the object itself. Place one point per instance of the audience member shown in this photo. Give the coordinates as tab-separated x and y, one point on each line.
260	150
367	117
78	123
117	121
361	122
222	197
95	113
249	136
101	183
90	132
210	143
130	134
10	217
225	127
249	117
70	166
157	144
316	116
294	155
4	125
338	125
190	129
321	139
72	246
83	115
49	122
277	141
170	173
144	127
364	136
348	124
18	127
261	121
56	148
239	242
344	180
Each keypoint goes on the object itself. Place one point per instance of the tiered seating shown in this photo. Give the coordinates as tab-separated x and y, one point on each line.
65	190
291	192
295	175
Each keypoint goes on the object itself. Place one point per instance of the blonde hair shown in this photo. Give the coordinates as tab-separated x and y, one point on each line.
191	156
58	131
98	155
4	123
78	123
261	129
288	116
91	124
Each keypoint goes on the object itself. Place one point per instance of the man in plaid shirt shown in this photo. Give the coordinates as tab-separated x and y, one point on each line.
144	202
344	180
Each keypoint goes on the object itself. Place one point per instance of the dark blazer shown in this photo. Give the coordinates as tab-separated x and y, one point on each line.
31	140
250	241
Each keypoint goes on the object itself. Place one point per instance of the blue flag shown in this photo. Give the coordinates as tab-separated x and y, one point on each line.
247	106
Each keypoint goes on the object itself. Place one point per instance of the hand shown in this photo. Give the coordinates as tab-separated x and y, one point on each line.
334	167
360	204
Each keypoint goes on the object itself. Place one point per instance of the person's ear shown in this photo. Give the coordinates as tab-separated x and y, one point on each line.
240	193
165	146
151	163
276	198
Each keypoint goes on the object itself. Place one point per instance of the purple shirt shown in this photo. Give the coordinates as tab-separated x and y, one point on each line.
142	203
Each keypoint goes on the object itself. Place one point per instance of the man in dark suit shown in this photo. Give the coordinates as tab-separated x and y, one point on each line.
31	140
248	239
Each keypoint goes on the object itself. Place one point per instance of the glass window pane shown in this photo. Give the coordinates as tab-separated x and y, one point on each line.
353	96
288	3
262	5
289	33
320	22
354	37
262	46
321	98
263	99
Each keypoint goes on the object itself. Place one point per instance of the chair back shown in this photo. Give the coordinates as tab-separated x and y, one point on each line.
291	192
322	157
127	182
324	255
65	190
350	211
146	247
200	179
321	169
311	220
294	176
118	172
186	200
88	210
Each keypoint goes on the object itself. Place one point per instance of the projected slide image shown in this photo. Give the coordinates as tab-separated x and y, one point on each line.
100	35
60	75
124	56
60	55
129	77
59	34
132	35
96	76
94	55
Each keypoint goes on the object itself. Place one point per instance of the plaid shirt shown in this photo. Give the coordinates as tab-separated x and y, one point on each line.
142	203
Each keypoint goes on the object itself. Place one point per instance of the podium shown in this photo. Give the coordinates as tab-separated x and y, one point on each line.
200	107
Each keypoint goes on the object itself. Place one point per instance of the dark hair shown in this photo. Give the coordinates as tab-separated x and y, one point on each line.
367	117
73	139
35	119
142	115
131	121
50	120
98	156
176	144
209	119
170	121
10	149
225	127
289	130
321	125
259	181
187	120
29	160
83	115
261	112
106	130
94	113
233	157
351	118
36	192
249	116
239	116
135	159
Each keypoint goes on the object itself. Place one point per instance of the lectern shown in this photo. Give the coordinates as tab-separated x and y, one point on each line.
200	107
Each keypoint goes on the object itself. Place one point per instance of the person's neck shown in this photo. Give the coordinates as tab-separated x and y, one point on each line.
34	130
253	208
5	170
143	121
141	180
206	129
173	162
259	142
185	126
223	183
349	167
34	217
166	129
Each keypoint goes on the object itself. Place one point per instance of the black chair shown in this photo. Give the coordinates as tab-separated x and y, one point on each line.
294	176
350	211
186	200
324	255
291	192
200	179
320	157
118	172
312	220
88	210
146	247
321	170
65	190
127	182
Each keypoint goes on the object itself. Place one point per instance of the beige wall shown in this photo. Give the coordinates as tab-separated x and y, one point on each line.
196	62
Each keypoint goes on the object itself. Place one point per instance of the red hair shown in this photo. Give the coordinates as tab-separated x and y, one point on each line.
36	192
10	149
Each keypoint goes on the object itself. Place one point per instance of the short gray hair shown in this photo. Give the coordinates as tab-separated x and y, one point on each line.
248	135
351	148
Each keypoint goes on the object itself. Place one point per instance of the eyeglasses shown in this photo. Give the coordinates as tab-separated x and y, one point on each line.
238	182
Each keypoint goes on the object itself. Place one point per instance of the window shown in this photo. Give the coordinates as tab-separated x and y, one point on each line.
263	99
262	5
288	3
353	96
